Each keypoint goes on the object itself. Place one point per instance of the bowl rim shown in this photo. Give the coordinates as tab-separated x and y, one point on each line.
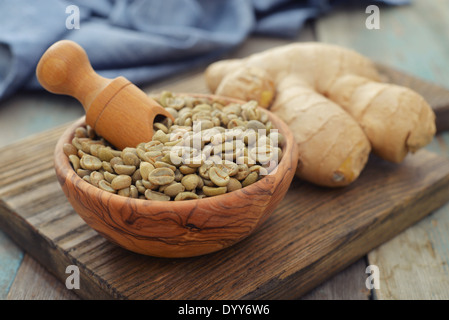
66	170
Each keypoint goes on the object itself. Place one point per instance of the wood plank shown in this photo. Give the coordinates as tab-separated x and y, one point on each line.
27	113
21	116
346	285
28	286
335	228
10	258
414	265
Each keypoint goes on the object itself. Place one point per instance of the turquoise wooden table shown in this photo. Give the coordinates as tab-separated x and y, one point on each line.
413	265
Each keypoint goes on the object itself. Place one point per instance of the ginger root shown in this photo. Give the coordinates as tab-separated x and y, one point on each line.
334	103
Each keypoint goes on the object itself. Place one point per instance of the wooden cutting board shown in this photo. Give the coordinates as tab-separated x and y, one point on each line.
313	234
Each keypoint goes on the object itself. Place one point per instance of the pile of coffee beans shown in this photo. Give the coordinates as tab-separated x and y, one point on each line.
211	148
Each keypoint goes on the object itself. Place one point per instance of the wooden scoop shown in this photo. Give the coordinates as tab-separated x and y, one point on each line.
115	108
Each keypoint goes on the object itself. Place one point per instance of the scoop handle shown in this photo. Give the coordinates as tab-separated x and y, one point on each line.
65	69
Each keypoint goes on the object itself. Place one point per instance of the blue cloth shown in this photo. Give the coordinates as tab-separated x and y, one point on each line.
142	40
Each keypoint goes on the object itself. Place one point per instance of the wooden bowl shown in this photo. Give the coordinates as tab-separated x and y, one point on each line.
177	228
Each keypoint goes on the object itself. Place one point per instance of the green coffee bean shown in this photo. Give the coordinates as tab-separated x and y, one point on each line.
80	153
208	183
69	149
136	176
214	191
81	132
145	169
157	196
250	179
161	127
75	161
107	167
116	153
200	183
174	189
105	154
219	176
235	123
246	160
90	163
178	175
255	125
121	182
174	142
161	136
161	176
269	126
263	117
96	177
261	171
106	186
154	156
277	138
262	154
160	188
140	187
172	111
186	196
161	164
85	147
154	145
142	155
233	185
148	185
204	170
83	172
202	107
190	181
133	192
243	172
130	159
116	161
229	167
76	143
109	176
126	192
94	149
124	169
186	169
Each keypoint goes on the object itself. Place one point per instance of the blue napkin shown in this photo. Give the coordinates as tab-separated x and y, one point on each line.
142	40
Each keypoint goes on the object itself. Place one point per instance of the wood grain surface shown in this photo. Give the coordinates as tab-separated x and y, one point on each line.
313	234
44	289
